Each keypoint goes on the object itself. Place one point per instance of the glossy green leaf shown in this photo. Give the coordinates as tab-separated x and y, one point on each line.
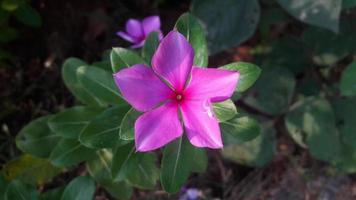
99	168
127	131
139	169
257	152
69	152
225	110
17	190
53	194
100	84
249	73
322	13
192	29
228	23
273	92
80	188
103	131
31	170
105	64
150	46
29	16
311	122
69	75
70	122
121	58
180	158
36	138
240	129
348	81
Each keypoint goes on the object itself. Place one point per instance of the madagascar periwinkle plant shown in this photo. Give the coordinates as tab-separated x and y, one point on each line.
149	117
178	106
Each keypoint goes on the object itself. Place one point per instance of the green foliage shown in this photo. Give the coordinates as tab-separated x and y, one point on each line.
103	131
121	58
80	188
239	129
37	138
225	110
257	152
228	23
27	15
128	124
348	81
249	73
192	29
18	190
150	46
180	158
322	13
272	98
30	170
71	122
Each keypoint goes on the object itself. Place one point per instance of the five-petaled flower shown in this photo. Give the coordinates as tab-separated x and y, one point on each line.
137	31
175	94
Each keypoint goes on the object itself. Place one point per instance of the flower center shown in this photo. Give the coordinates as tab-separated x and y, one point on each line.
179	97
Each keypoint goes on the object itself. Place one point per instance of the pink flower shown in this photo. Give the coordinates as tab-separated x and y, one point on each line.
137	31
174	93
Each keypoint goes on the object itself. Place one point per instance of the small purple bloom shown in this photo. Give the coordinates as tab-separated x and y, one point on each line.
137	31
183	99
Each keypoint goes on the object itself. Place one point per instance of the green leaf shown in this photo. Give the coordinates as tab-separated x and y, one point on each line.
273	92
314	117
17	190
138	168
326	47
345	113
3	187
346	4
29	16
80	188
103	131
30	170
228	23
257	152
36	138
8	34
192	29
180	158
128	124
10	5
69	75
348	81
99	169
70	122
225	110
53	194
150	46
100	84
121	58
240	129
288	52
105	64
249	73
322	13
69	152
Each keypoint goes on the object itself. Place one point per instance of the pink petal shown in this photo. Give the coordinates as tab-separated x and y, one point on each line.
157	127
125	36
214	84
134	29
200	124
151	23
141	87
173	59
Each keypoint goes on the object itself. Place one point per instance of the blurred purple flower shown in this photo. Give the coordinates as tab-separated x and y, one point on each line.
174	90
190	194
137	31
